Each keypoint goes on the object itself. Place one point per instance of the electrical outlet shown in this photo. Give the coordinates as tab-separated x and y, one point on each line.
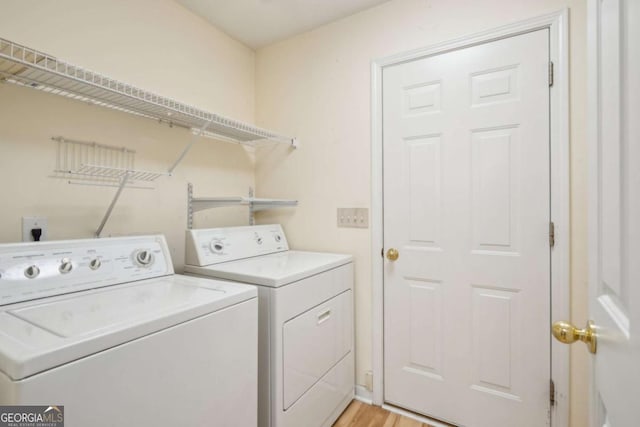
368	380
31	222
353	217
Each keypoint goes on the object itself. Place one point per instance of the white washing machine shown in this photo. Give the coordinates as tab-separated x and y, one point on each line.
105	328
305	364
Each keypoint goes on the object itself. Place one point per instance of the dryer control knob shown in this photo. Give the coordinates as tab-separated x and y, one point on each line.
144	258
65	266
95	264
216	246
31	272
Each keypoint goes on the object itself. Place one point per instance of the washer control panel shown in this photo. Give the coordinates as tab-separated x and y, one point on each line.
35	270
216	245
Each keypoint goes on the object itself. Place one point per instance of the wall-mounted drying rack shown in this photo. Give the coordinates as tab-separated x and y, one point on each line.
196	204
90	163
28	67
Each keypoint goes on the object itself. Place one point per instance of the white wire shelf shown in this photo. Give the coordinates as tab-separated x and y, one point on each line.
28	67
90	163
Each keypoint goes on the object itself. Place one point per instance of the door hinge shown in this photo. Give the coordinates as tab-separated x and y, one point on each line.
552	393
550	73
552	234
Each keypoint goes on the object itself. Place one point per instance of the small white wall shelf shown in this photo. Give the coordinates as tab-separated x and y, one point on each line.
196	204
90	163
28	67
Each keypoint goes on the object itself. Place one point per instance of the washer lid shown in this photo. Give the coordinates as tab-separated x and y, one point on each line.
39	335
274	269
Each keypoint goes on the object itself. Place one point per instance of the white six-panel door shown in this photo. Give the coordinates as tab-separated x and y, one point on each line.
466	204
614	215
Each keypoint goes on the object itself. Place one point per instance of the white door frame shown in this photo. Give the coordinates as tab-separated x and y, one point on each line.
558	25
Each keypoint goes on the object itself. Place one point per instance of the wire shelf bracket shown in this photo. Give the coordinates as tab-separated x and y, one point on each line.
123	182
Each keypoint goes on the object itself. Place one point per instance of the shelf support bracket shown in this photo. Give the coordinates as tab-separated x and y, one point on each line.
252	219
189	206
123	182
195	204
194	138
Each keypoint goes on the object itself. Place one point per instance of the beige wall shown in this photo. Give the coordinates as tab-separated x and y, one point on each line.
317	86
157	45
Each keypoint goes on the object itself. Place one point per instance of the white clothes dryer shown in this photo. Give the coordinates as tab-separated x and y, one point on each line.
105	328
306	362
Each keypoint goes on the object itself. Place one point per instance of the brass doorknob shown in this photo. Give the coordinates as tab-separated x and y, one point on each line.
392	254
566	333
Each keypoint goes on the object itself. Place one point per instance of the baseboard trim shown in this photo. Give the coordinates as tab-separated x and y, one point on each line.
364	395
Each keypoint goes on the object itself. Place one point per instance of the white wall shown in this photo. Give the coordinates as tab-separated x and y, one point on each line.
157	45
317	86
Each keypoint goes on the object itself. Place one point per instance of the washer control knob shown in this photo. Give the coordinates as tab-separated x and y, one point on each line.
144	258
216	246
259	240
31	272
65	266
277	237
95	264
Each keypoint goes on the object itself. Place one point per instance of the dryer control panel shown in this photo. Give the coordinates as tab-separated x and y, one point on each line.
41	269
208	246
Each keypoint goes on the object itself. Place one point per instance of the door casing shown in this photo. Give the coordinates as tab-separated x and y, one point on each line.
558	25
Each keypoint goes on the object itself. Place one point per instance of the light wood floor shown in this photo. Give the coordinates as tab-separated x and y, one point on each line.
360	414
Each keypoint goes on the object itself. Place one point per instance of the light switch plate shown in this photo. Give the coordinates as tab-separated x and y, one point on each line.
353	217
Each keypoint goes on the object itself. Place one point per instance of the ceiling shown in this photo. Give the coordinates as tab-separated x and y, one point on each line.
258	23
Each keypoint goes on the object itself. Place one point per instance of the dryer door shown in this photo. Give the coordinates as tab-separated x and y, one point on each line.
313	343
